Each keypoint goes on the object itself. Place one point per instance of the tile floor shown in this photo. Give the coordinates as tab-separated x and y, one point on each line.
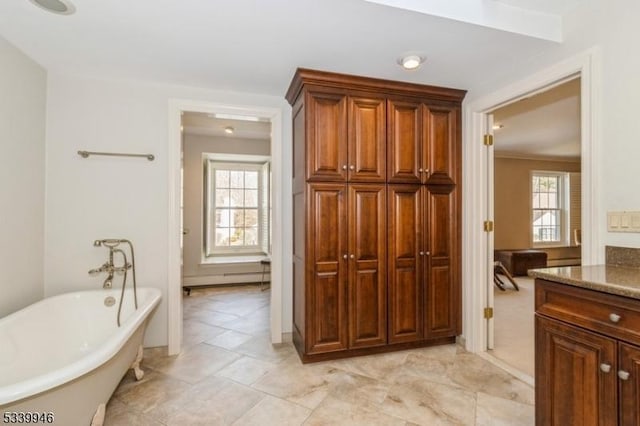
229	373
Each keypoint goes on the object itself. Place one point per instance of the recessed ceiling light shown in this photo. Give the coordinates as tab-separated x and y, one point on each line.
229	130
411	62
61	7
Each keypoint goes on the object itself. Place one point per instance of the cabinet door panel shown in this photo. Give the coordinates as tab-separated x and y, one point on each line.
405	265
404	143
367	140
442	304
368	277
327	313
326	137
629	358
570	387
440	153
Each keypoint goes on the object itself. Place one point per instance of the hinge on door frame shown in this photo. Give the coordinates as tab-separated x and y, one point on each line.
488	140
488	226
488	313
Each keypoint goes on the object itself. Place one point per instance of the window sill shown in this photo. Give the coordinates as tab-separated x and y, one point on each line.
225	260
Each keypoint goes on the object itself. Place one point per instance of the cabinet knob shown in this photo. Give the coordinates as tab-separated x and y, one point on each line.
605	368
614	317
420	170
353	256
344	167
344	256
352	167
624	375
421	253
426	171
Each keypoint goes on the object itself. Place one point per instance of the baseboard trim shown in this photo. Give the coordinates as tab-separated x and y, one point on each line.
224	279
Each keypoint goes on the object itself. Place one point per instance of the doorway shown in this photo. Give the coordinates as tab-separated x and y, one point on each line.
279	213
477	246
226	228
536	193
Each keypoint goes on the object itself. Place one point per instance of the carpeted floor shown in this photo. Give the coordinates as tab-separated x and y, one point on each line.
514	325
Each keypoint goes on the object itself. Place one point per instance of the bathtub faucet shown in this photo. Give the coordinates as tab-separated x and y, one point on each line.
111	269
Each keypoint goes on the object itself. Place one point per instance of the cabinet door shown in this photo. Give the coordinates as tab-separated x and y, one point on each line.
326	288
405	266
367	265
440	154
571	387
404	143
629	362
442	283
326	137
367	140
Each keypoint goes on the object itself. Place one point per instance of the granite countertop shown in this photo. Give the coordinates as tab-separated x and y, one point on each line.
620	280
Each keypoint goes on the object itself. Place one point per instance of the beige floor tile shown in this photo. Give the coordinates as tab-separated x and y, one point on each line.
246	370
230	339
335	411
304	385
261	348
431	404
154	390
212	317
224	406
274	412
195	363
493	411
476	374
382	367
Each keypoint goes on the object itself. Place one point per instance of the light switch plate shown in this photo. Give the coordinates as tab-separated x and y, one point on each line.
625	221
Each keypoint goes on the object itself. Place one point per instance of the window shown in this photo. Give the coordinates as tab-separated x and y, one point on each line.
237	207
549	208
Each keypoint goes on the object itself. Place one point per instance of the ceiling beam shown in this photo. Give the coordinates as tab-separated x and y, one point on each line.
487	13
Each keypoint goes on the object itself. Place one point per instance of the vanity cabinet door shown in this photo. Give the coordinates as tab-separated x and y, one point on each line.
629	376
576	380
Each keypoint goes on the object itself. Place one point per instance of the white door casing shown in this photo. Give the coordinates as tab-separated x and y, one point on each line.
476	270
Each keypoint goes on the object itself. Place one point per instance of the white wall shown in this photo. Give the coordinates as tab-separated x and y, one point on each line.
23	89
193	148
105	197
612	27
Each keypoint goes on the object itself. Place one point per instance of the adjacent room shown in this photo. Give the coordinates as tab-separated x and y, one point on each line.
537	208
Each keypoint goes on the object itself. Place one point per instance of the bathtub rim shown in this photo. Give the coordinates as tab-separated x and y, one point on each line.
27	388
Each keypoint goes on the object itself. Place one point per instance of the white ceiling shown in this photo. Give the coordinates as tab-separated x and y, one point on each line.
544	125
195	123
256	45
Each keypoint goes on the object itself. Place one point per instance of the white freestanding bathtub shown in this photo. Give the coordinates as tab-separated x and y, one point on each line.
65	355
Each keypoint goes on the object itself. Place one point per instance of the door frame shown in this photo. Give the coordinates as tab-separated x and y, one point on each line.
280	215
475	243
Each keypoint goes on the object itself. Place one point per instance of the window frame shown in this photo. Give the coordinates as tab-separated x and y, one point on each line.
563	208
211	163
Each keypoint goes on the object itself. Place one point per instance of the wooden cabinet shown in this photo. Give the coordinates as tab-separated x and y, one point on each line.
345	138
423	144
587	357
376	259
406	266
348	288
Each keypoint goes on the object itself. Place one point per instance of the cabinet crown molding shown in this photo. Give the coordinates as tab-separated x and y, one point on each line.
305	76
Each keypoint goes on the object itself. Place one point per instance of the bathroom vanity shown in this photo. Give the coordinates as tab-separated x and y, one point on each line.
587	331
